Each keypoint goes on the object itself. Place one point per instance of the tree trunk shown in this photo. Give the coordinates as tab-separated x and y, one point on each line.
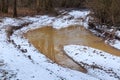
15	8
38	6
4	6
0	6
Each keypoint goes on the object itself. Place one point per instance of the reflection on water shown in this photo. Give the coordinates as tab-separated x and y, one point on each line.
50	42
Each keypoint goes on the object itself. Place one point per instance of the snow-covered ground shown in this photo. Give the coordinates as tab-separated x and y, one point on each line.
98	63
19	60
30	65
116	44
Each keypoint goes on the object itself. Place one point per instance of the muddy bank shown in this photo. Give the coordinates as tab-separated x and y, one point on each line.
50	42
104	32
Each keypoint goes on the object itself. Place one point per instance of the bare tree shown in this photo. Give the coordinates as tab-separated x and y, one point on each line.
14	8
4	6
38	6
106	12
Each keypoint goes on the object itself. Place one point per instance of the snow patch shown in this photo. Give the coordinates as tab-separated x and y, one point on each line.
99	64
22	61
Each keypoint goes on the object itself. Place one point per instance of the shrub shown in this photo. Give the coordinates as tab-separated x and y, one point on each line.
105	12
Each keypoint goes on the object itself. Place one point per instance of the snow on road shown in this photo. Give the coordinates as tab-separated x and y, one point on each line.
116	44
98	63
19	60
31	65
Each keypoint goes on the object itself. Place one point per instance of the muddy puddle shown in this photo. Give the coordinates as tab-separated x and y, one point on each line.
50	42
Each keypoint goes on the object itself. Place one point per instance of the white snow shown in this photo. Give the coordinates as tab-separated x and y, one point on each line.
72	18
38	67
118	33
115	44
19	60
78	14
98	63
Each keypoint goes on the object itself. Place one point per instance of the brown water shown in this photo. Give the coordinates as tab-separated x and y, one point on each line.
50	42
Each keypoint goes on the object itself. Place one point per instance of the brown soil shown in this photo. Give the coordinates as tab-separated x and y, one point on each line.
50	42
